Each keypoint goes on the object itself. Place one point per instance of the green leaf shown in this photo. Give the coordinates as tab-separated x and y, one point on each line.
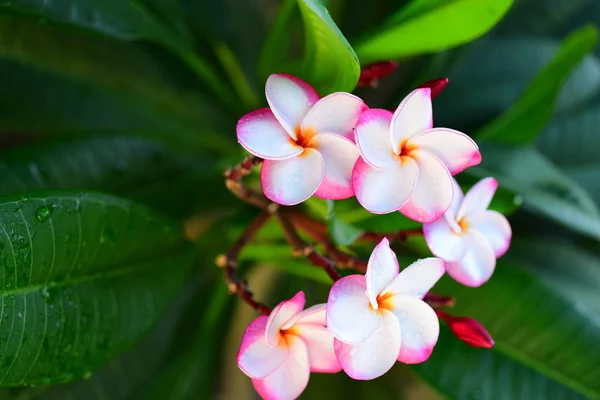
342	233
121	72
546	190
84	277
126	20
427	26
141	169
329	62
526	118
540	337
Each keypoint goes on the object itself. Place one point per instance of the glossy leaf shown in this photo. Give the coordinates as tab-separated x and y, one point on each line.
426	26
546	190
141	169
526	118
541	338
341	232
329	62
84	277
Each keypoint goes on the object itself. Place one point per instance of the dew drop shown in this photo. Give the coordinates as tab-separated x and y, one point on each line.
43	213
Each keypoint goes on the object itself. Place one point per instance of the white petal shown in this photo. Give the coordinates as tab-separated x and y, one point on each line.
256	357
372	137
477	266
336	113
417	279
376	355
457	199
349	314
496	229
284	311
314	315
383	191
420	329
290	98
289	380
413	116
319	343
478	198
454	149
382	268
261	134
433	191
443	241
339	156
294	180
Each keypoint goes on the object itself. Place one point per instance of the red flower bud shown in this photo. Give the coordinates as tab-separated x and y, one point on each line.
436	86
468	330
370	74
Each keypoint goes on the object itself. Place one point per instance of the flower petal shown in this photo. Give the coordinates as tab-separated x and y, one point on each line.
376	355
261	134
339	156
372	136
478	198
477	266
336	113
495	228
383	191
256	357
319	343
382	268
294	180
433	191
290	98
418	278
443	241
454	149
420	329
314	315
349	315
457	199
413	116
284	312
289	380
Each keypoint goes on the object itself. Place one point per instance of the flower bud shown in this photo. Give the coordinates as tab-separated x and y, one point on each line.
370	74
436	86
471	332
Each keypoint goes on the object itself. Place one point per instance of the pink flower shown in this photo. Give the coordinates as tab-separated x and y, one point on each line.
469	237
379	318
307	143
279	351
406	164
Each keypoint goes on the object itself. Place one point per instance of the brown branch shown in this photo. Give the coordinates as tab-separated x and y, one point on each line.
437	300
233	182
229	263
300	248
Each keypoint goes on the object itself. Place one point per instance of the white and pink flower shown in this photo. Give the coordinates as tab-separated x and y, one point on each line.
380	317
306	142
279	351
406	164
469	237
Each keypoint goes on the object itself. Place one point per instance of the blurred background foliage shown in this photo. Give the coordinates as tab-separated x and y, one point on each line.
138	99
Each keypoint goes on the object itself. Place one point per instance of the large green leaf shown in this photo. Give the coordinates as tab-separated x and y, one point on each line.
84	277
545	188
123	19
426	26
329	62
141	169
540	337
122	71
522	123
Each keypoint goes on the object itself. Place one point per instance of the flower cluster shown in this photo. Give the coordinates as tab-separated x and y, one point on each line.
336	147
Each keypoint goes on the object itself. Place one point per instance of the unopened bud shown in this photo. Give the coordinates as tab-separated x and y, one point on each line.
436	86
471	332
370	74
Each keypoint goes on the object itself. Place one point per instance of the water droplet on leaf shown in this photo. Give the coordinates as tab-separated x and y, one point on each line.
43	213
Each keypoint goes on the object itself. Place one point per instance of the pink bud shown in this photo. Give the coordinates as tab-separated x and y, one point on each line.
436	86
370	74
468	330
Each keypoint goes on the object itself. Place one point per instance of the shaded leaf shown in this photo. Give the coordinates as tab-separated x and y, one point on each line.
341	232
84	277
426	26
522	123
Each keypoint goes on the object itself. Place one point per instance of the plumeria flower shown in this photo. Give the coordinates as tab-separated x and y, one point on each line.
406	164
470	237
306	142
379	318
279	351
